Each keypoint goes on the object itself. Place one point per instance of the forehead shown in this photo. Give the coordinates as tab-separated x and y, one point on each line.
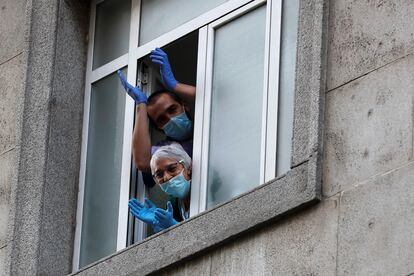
162	162
160	105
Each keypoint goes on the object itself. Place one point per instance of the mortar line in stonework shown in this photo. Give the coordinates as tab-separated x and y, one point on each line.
7	150
370	178
369	72
4	62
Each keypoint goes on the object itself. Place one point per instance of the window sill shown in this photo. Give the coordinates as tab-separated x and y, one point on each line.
299	188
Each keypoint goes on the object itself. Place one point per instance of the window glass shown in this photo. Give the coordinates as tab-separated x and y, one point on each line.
161	16
103	170
236	107
287	84
111	31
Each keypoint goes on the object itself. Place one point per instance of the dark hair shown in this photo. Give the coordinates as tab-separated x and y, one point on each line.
153	97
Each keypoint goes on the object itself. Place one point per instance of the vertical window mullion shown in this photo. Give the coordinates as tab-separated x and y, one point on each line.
198	189
207	117
128	129
272	85
265	120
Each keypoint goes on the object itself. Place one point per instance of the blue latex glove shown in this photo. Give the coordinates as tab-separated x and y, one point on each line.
158	56
144	212
165	218
134	92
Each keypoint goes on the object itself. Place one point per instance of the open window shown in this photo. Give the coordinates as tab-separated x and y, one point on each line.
230	50
182	55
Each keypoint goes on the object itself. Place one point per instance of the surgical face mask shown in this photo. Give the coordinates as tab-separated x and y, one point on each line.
177	186
179	127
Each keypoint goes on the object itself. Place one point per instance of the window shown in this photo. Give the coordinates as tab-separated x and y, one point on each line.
232	51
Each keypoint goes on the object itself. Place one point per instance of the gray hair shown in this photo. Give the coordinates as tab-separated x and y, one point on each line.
172	151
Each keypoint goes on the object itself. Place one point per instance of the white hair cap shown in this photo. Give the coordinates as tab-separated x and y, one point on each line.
172	151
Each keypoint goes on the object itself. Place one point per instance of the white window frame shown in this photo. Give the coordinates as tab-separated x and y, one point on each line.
203	100
205	23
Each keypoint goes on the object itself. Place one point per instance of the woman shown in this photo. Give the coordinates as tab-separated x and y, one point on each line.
171	169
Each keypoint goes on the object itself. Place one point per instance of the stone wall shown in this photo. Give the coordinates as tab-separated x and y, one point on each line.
42	59
364	224
12	76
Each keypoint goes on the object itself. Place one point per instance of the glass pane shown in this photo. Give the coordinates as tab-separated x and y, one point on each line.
236	114
103	170
161	16
287	84
111	31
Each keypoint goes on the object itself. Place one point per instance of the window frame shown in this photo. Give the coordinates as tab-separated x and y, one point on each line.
298	188
204	94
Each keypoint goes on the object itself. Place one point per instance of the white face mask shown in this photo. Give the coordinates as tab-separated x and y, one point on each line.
177	186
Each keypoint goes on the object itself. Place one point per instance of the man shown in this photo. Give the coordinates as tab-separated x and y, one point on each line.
171	169
168	110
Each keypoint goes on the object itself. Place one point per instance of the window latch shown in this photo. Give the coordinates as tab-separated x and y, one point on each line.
144	79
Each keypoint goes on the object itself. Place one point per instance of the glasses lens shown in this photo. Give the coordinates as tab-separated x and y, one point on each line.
171	169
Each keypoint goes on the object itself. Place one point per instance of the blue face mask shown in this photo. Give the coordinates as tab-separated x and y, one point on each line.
177	186
179	127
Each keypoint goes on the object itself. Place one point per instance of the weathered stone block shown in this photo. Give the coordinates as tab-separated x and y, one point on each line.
375	234
200	267
12	28
11	91
246	256
368	127
365	35
7	165
303	244
3	251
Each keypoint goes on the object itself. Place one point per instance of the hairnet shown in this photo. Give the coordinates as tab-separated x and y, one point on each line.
173	151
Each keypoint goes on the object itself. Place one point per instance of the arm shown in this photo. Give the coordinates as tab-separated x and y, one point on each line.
141	142
184	91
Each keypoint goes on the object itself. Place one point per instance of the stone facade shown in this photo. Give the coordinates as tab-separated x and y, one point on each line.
363	223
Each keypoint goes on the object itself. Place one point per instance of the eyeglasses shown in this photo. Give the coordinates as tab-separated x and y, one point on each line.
172	169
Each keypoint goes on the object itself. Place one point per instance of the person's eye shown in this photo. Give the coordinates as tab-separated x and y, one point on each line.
158	175
172	168
173	109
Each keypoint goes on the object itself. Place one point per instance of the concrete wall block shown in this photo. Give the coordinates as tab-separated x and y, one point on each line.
3	252
11	91
65	136
368	126
365	35
200	266
304	244
246	256
375	235
12	28
7	168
